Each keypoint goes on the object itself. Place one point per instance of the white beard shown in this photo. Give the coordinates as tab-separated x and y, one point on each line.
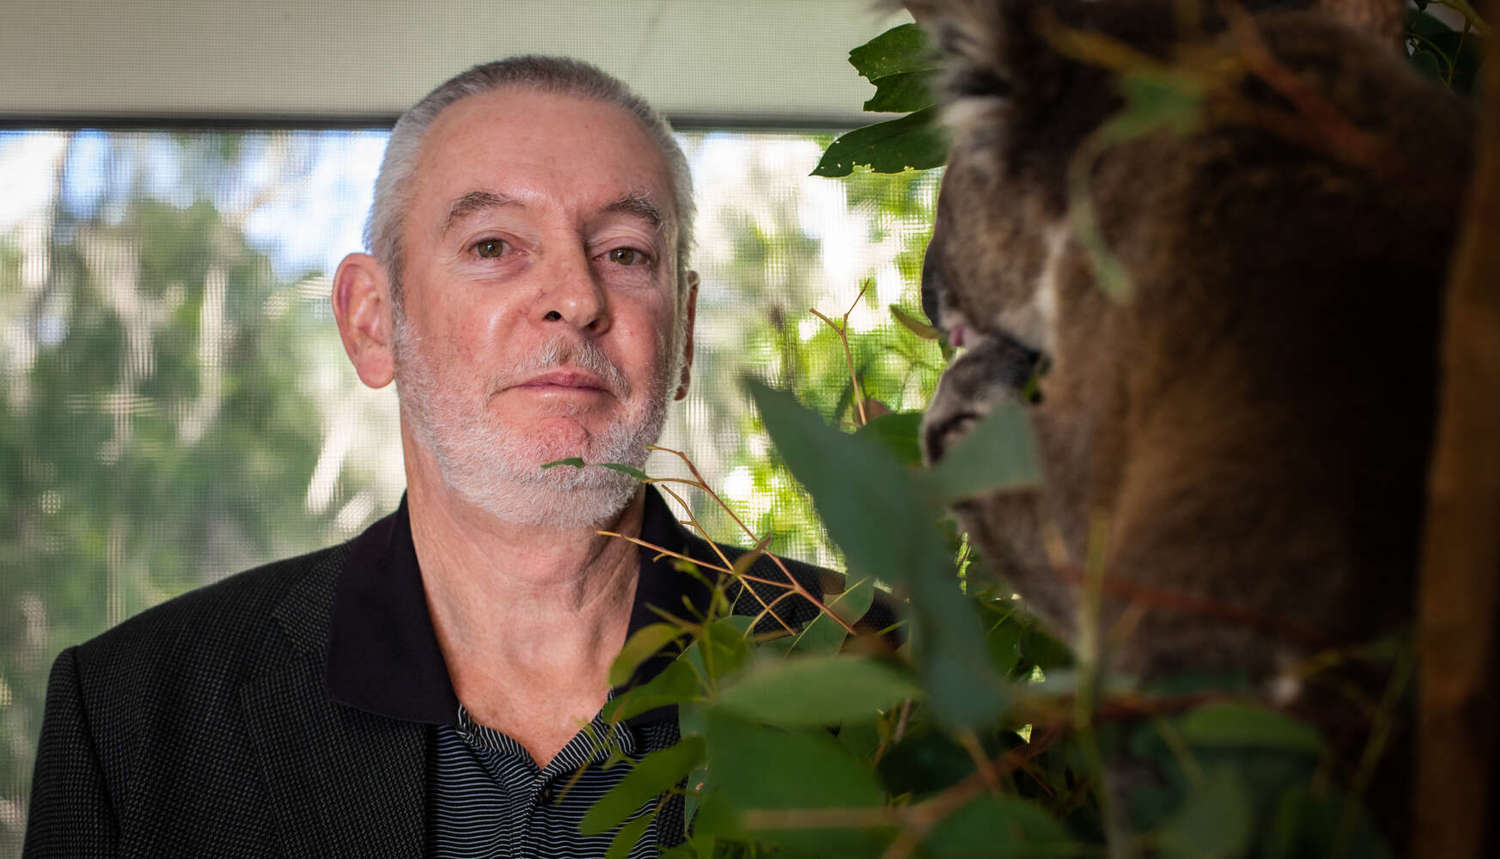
498	468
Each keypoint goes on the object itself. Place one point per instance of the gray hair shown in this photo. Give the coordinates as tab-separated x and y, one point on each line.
546	74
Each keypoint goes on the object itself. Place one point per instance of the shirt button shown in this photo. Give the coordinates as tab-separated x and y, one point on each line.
545	797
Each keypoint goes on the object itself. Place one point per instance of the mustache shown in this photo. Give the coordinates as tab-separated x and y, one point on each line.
562	352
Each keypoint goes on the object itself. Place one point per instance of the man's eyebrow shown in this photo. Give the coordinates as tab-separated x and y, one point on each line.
474	202
640	206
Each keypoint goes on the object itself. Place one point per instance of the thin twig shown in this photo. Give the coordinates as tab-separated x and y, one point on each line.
843	332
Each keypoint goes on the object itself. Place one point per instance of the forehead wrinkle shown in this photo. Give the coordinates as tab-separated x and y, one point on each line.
473	203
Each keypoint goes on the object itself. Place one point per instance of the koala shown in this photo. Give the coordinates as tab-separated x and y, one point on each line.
1237	438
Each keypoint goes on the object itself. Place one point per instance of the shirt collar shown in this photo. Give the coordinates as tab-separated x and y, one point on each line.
383	655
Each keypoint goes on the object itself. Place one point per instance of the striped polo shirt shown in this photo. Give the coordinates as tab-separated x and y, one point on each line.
485	795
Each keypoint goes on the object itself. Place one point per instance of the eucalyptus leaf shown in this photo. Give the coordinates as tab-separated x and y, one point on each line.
816	690
628	836
674	685
761	768
899	433
902	93
822	634
900	49
642	646
998	453
1238	725
1000	826
652	776
572	461
721	650
1214	819
911	323
625	469
916	141
887	528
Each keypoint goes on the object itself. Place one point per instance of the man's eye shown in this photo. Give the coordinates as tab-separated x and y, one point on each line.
628	256
489	248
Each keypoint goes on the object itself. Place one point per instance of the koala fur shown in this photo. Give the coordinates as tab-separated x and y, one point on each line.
1243	440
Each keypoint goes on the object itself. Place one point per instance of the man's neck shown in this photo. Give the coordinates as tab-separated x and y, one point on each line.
528	617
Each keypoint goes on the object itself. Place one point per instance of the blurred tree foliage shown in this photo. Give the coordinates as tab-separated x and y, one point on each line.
157	431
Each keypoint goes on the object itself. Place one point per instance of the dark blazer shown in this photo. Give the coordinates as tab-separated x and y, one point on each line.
204	727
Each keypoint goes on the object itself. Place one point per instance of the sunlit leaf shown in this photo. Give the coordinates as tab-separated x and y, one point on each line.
816	690
651	776
916	326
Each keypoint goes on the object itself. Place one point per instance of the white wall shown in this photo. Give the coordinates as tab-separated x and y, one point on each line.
734	60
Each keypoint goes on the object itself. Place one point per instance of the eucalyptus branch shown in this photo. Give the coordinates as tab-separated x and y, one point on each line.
843	332
791	581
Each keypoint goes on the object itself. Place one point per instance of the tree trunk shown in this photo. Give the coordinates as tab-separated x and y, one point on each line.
1460	595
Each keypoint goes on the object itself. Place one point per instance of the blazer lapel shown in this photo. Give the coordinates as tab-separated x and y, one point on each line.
343	782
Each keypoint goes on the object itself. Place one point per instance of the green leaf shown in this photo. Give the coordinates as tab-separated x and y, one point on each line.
628	836
914	141
900	49
1309	823
902	93
761	768
674	685
625	469
822	634
1000	826
652	776
863	494
887	527
1155	101
899	433
911	323
855	600
572	461
1214	819
721	650
1234	725
642	646
816	690
998	453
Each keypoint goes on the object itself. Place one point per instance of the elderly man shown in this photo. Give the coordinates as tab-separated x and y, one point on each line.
434	685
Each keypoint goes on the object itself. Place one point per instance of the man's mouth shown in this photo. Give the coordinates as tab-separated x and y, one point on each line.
564	380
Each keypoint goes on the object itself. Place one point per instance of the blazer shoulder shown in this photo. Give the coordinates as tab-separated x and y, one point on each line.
221	623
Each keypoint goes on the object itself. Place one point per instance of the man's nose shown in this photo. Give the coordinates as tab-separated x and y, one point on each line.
573	295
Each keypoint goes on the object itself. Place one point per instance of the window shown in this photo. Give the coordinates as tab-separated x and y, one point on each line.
177	406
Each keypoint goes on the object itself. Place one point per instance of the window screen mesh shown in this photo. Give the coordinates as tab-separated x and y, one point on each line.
175	405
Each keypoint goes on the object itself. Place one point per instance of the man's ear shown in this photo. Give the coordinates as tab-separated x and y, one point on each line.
690	307
362	306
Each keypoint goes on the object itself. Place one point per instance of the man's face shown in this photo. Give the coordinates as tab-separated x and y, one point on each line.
539	284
